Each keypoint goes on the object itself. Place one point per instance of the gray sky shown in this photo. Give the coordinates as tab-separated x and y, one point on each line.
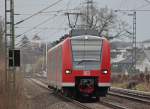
55	27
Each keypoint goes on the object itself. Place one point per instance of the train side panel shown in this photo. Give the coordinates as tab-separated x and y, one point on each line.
68	79
51	68
55	67
104	79
59	67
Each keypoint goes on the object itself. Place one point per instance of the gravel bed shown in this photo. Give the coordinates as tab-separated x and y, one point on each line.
97	106
36	97
126	102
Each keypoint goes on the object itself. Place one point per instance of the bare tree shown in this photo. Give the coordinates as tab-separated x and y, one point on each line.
104	20
25	42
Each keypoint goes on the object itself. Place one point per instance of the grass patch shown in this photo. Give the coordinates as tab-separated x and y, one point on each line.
140	87
120	85
143	87
5	101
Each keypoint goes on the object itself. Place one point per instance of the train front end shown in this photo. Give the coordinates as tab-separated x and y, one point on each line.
89	69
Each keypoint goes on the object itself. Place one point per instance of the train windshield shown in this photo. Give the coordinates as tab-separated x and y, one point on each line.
86	52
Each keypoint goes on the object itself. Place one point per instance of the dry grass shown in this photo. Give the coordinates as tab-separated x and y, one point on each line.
120	85
143	87
19	91
139	82
5	98
2	83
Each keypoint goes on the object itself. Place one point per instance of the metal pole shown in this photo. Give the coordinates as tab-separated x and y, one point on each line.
12	73
134	40
13	29
10	36
6	55
46	56
134	21
87	13
134	36
89	9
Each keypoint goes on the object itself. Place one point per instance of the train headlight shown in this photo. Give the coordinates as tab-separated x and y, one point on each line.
105	71
68	71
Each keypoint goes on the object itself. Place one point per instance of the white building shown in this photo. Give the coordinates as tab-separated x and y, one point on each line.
144	64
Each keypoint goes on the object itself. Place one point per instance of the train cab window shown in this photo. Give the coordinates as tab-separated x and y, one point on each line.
86	52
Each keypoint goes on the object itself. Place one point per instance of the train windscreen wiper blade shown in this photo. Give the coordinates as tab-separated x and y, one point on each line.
85	60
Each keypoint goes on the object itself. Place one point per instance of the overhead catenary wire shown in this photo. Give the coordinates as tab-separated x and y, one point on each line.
43	22
144	5
61	23
58	11
43	11
132	10
147	1
46	28
137	8
51	5
50	12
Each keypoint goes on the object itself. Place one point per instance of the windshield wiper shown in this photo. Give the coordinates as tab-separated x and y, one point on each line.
81	61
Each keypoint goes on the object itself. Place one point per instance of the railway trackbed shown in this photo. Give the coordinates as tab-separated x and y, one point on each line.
140	94
113	105
66	98
98	105
127	99
131	95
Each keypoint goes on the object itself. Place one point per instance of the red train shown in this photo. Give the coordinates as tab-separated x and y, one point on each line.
80	66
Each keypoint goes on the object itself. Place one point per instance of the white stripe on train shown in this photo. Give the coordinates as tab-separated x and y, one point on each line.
73	84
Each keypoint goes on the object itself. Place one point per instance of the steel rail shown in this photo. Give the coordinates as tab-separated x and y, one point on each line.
63	97
112	105
133	93
129	97
82	105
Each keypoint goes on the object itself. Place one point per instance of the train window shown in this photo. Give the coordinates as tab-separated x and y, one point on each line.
86	53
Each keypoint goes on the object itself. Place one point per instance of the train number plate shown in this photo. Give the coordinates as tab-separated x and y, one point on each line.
86	73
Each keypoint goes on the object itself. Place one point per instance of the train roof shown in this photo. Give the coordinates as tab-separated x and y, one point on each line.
60	43
77	37
87	37
79	32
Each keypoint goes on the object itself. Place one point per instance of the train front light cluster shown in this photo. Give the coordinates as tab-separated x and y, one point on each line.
105	71
68	71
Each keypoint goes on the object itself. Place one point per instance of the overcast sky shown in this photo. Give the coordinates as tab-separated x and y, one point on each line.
58	23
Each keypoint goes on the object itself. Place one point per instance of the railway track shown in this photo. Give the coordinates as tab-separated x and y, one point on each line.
66	98
140	94
113	105
102	104
137	96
